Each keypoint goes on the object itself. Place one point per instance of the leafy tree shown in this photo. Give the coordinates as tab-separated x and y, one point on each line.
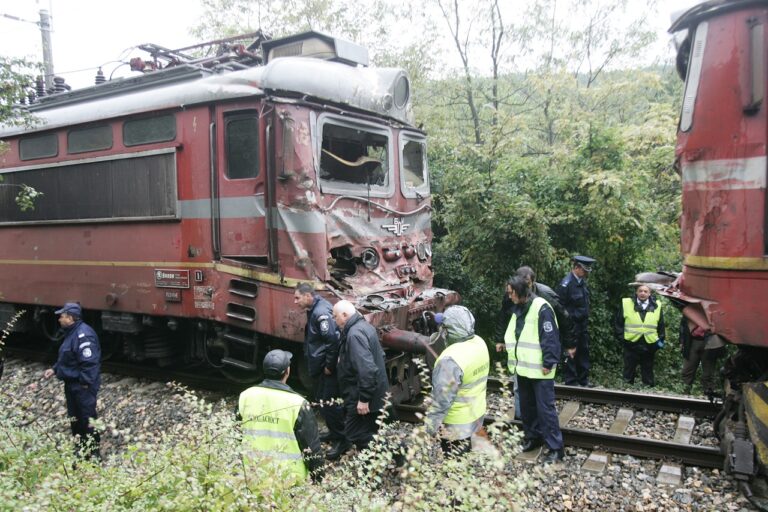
15	79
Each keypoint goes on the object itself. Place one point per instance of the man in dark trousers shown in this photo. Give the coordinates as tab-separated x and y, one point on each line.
79	366
321	348
362	377
639	325
574	296
532	342
278	424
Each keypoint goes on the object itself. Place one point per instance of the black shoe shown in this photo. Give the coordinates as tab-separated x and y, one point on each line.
552	456
339	449
531	444
327	437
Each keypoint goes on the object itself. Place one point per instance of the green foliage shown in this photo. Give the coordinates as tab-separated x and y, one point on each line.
199	465
15	79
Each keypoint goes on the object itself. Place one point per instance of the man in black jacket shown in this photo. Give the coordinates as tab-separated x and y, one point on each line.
362	377
321	350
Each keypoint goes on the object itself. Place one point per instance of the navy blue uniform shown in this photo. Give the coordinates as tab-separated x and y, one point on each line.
574	296
321	347
79	366
362	377
537	396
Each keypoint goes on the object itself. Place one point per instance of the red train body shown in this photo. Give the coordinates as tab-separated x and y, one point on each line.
187	203
721	154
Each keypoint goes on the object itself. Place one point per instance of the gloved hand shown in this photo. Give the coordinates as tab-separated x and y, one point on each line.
660	343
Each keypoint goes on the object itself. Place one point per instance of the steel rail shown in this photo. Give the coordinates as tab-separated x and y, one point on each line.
697	406
691	455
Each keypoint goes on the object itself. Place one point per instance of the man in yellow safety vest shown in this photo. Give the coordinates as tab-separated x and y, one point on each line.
278	425
639	326
459	382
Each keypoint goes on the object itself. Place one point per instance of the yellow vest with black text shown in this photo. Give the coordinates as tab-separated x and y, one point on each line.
524	356
473	359
636	328
268	418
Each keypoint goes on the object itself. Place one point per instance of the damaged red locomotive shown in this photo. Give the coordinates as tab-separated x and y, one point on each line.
183	205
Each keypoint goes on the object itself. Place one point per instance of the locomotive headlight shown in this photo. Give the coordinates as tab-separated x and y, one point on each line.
370	258
402	91
428	248
421	251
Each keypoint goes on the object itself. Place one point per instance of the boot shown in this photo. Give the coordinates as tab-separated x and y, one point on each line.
531	444
552	456
339	449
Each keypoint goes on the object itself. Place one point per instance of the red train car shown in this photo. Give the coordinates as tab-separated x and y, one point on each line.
721	155
181	207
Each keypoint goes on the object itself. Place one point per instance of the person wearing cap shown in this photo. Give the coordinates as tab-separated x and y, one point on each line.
459	382
639	325
321	351
362	377
574	296
79	367
532	342
278	425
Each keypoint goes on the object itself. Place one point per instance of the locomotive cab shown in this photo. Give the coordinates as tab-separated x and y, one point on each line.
182	206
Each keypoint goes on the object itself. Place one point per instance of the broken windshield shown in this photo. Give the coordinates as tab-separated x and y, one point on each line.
355	158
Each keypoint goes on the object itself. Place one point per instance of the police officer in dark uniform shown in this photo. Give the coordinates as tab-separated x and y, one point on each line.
574	296
321	348
79	366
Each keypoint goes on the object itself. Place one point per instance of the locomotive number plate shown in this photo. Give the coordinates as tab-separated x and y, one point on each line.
171	278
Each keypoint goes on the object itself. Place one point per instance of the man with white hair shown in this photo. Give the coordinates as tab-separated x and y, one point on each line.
459	382
362	377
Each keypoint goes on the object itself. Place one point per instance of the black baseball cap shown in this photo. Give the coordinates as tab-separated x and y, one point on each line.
276	362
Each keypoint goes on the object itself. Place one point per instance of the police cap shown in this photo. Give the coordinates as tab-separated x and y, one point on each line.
584	262
71	308
276	362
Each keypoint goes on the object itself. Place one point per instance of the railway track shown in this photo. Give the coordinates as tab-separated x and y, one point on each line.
675	452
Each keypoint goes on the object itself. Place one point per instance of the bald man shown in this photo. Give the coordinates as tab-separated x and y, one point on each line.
362	377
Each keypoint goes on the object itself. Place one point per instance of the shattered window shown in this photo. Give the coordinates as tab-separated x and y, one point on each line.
354	157
413	166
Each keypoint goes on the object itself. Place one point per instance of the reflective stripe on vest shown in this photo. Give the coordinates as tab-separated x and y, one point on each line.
469	406
524	356
635	327
269	416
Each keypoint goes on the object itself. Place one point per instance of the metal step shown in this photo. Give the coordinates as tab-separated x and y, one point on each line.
239	339
237	363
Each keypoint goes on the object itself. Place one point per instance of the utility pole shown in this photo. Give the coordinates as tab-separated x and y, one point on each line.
45	31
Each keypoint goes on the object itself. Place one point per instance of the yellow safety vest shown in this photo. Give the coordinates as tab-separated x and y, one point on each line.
268	418
524	356
635	327
473	359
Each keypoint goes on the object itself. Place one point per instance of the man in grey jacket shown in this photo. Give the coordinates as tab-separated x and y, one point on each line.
362	377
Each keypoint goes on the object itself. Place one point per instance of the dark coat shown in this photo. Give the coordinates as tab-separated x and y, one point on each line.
80	356
321	338
574	296
361	371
